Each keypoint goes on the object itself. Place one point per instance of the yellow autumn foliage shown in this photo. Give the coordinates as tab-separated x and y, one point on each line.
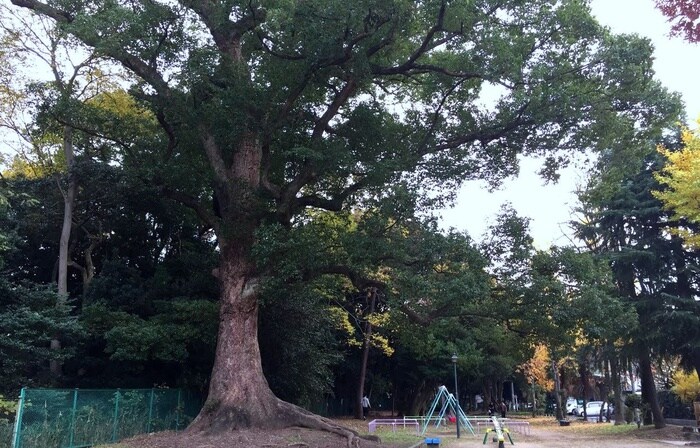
538	368
686	385
682	177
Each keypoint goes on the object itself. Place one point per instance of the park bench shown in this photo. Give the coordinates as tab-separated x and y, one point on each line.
394	423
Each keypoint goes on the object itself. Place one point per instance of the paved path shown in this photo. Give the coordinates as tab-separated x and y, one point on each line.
549	438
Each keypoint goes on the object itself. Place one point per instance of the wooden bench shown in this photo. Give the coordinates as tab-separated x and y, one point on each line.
394	423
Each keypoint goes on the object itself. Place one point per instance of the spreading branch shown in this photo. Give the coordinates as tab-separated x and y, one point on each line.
204	213
227	34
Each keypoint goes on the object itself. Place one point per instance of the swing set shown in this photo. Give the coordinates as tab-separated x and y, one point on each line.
447	402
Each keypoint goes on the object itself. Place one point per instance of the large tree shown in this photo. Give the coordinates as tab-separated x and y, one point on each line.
278	106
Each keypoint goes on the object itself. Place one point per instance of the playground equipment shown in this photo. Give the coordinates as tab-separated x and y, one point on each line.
448	402
500	437
484	423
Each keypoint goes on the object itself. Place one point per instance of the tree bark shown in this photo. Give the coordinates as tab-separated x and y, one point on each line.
68	205
649	390
422	398
583	372
605	391
55	366
239	395
557	391
617	391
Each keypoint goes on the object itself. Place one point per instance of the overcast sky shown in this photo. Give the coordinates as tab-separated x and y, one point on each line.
677	65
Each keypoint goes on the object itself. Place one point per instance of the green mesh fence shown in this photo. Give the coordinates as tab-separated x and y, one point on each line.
73	418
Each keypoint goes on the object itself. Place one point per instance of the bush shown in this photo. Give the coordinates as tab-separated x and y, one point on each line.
686	386
632	401
674	407
5	433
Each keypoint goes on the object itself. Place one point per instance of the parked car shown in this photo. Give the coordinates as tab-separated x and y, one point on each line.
593	410
570	405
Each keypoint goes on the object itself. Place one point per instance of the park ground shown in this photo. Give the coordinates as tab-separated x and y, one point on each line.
545	432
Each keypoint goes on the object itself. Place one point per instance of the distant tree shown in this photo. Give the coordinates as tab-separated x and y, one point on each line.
684	16
538	368
29	314
653	271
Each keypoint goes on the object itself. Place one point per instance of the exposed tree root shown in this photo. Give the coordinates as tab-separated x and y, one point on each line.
276	415
297	416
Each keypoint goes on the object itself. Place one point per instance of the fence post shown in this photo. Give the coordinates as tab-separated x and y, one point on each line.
17	434
177	411
72	418
116	415
150	413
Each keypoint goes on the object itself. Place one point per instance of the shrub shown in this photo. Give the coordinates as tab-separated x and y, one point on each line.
686	386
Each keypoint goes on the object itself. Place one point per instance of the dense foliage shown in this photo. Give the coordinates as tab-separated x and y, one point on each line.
679	176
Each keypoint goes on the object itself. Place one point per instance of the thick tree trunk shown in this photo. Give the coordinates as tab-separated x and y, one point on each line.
583	372
239	395
557	390
422	399
488	392
617	391
605	391
649	390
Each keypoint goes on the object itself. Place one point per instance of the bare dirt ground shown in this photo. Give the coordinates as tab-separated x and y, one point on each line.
288	438
591	435
544	433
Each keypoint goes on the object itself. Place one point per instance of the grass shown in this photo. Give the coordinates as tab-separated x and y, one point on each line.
398	437
603	429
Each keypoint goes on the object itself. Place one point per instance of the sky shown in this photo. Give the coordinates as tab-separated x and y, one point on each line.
677	65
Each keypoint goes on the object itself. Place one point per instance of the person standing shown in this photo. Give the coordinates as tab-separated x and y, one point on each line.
365	407
504	408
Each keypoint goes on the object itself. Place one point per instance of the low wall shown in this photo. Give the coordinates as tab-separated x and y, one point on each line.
681	422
